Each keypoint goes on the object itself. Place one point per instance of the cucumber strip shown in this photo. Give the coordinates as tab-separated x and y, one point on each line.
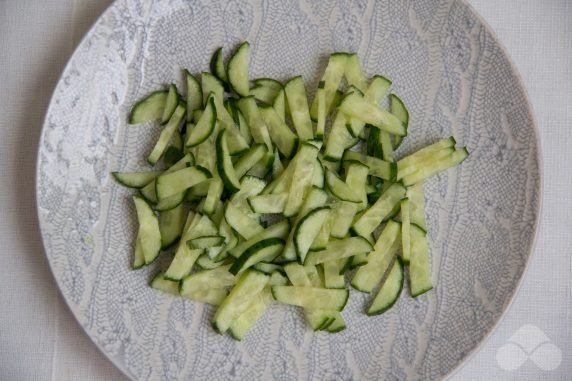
377	167
339	139
419	268
298	104
262	167
249	186
409	164
297	274
224	164
338	324
149	108
149	233
318	174
237	145
279	104
135	179
244	224
389	291
170	103
354	74
217	65
240	121
332	276
316	198
149	190
340	189
379	211
218	278
159	282
311	297
269	83
212	85
214	296
261	251
378	261
171	225
268	203
321	117
170	202
343	215
249	285
307	230
205	242
417	205
194	95
258	128
244	323
332	78
357	107
249	159
182	263
405	231
431	169
323	236
264	93
196	117
377	89
357	261
339	248
356	178
172	183
204	127
278	230
205	261
214	194
386	146
138	256
166	135
301	179
269	268
238	70
398	109
315	276
280	133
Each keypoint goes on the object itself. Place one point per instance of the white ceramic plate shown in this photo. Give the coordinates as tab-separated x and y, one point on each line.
444	63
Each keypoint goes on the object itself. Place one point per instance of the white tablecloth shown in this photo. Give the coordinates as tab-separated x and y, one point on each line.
40	339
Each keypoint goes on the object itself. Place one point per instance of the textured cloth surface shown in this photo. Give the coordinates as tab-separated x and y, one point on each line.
40	339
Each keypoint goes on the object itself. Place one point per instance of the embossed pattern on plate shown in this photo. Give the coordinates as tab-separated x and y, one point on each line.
454	77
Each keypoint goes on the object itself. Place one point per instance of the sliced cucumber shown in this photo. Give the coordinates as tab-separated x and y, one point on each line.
278	230
417	205
182	263
159	282
368	276
194	95
279	104
265	90
138	256
398	109
332	276
354	74
224	164
432	168
258	128
332	78
249	159
171	225
170	103
389	291
339	248
238	70
268	203
218	278
357	107
339	139
214	296
249	285
301	178
307	230
149	232
311	297
244	224
405	231
280	133
343	215
244	323
135	179
432	152
262	251
321	117
419	268
340	189
217	65
377	167
204	127
298	104
212	85
379	211
149	108
173	183
166	135
214	194
205	242
356	178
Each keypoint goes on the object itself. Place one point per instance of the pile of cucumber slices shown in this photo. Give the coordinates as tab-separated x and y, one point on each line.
262	196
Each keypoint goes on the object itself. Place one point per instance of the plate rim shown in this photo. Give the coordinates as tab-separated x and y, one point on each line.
537	221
